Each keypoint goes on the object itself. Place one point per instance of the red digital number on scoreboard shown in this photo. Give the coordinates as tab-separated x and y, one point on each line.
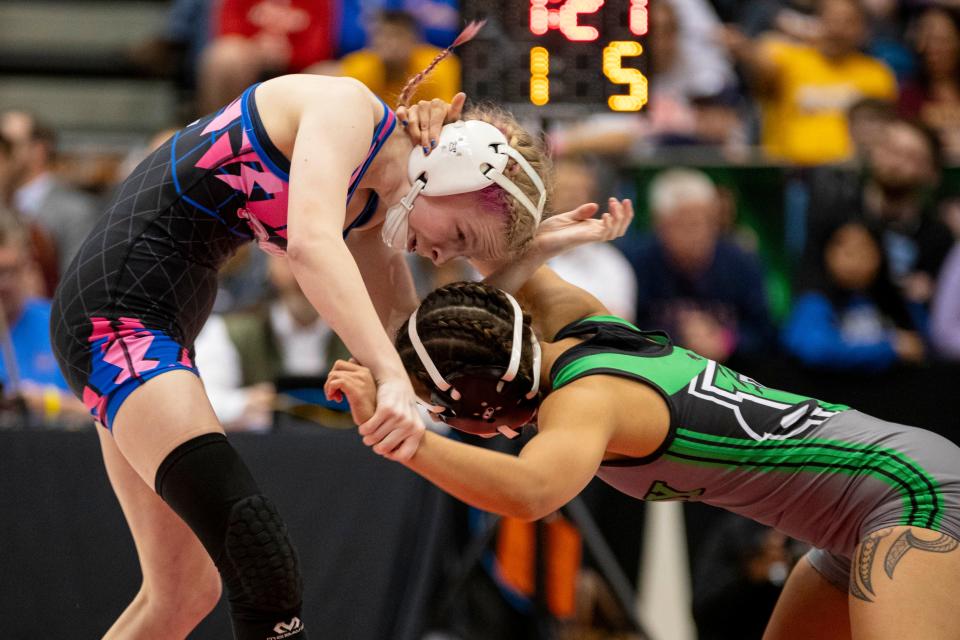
564	16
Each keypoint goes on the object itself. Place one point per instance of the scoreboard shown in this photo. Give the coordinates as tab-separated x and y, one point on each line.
557	57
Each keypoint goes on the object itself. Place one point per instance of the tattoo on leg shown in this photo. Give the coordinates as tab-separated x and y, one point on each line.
868	551
941	544
856	591
863	565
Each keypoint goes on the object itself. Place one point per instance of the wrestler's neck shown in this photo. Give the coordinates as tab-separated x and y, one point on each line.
551	351
388	172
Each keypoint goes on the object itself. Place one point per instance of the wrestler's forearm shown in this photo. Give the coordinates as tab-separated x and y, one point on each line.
510	276
488	480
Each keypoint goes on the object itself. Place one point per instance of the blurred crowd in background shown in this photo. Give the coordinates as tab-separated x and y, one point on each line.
852	264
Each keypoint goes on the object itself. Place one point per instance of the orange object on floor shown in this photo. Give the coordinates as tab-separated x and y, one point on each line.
517	554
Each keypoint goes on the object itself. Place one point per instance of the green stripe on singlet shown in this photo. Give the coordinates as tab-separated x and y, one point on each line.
671	374
922	500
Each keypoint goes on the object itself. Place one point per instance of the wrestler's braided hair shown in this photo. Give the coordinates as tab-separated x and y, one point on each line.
465	324
410	88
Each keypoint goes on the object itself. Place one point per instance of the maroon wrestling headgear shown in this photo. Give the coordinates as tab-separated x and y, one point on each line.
483	400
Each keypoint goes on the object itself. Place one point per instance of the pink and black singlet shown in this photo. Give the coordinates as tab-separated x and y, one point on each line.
138	292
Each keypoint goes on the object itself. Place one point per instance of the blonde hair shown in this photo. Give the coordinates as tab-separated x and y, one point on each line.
520	224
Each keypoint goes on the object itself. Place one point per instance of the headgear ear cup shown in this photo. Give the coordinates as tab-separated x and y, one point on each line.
470	155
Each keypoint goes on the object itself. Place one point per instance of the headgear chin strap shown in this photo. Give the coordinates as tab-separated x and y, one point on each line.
470	156
481	399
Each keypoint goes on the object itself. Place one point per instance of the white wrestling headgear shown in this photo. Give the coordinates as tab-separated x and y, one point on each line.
470	155
481	399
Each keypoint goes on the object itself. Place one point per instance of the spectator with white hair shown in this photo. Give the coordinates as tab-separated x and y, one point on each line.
700	287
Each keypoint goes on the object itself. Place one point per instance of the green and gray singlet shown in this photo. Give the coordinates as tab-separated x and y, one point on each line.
819	472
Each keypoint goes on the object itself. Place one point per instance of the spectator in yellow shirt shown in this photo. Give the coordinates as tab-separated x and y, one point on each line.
395	53
806	89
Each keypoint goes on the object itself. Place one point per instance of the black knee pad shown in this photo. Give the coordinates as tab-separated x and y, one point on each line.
257	544
207	484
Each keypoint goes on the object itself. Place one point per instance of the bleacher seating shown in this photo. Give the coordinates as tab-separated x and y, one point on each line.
72	64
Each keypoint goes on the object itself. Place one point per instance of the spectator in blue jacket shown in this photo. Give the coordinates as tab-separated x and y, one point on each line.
854	318
699	286
27	366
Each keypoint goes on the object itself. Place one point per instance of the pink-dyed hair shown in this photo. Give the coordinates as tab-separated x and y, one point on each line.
494	199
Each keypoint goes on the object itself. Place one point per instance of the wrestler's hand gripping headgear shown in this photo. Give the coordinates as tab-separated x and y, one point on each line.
483	400
470	155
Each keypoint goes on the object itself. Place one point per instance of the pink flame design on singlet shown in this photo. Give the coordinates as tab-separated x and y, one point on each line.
230	113
126	346
272	212
95	403
218	153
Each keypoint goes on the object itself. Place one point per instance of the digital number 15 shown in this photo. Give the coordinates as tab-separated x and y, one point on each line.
613	55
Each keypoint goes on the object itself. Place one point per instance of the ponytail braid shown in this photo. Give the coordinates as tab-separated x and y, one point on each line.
409	89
